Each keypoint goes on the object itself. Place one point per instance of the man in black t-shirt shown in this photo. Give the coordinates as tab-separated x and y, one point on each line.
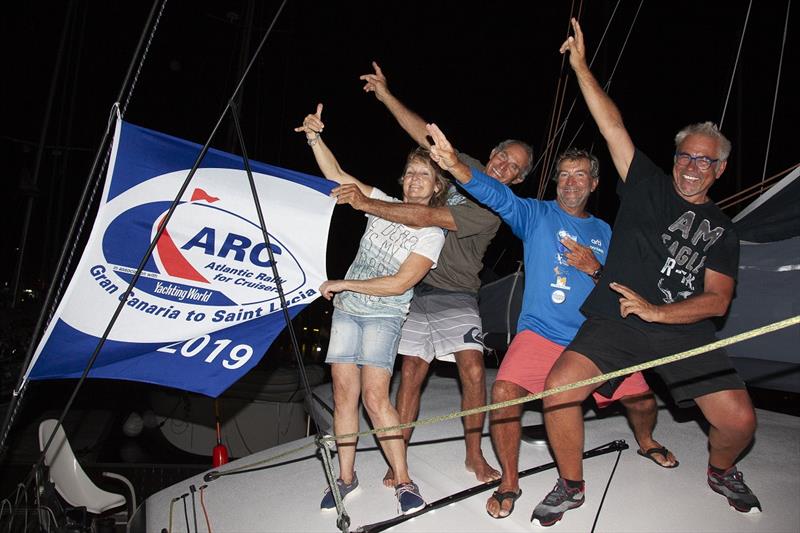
671	267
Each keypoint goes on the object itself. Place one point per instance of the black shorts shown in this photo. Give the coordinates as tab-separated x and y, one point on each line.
615	344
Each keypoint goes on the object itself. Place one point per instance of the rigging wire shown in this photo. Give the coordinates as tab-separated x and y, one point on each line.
607	86
735	64
557	148
572	106
777	86
605	492
558	100
732	200
62	266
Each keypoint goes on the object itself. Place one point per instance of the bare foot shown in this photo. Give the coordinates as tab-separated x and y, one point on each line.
388	479
659	455
482	470
501	503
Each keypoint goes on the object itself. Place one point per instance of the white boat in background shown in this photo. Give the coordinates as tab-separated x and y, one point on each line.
284	495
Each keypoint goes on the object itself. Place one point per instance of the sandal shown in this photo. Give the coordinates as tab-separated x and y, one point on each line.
500	497
662	450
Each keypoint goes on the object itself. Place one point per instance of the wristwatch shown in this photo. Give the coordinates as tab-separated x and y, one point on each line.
597	273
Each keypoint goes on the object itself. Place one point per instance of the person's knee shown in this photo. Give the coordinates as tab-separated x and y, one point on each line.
743	423
472	373
643	404
505	390
344	397
413	371
375	400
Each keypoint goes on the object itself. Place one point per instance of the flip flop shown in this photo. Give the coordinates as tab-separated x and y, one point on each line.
661	450
500	497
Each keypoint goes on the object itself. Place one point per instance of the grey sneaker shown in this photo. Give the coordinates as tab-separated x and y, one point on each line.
408	498
328	502
560	500
731	485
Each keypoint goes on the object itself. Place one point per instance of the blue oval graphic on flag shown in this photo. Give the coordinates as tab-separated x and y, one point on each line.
207	255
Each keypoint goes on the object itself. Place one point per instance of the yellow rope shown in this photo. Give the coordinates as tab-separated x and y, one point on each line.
769	328
591	381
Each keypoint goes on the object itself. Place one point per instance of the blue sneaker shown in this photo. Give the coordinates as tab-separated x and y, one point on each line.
328	502
408	498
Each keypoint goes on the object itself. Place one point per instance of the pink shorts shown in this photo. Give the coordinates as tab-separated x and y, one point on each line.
530	358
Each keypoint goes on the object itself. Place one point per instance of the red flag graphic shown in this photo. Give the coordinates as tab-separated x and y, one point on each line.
200	194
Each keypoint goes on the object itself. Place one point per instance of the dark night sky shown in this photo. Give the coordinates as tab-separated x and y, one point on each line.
483	71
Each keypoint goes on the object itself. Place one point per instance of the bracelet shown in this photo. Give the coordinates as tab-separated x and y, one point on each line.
312	141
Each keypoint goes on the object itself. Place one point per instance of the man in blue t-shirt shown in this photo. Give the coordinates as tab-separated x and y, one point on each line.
671	267
565	248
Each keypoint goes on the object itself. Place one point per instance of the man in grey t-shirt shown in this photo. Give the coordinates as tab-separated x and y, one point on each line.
443	321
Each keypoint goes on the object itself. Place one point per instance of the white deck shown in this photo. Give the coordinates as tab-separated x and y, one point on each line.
642	497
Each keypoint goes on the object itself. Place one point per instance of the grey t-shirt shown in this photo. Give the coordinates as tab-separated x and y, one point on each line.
383	249
462	256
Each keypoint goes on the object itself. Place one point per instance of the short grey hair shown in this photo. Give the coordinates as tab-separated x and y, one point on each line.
528	151
573	154
706	129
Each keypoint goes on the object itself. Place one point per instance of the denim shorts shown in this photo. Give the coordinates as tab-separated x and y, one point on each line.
363	340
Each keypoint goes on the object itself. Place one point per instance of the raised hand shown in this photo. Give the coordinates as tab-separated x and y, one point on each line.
580	256
633	304
576	46
442	152
376	82
312	124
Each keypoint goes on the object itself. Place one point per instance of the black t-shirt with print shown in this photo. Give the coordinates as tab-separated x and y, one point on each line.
661	245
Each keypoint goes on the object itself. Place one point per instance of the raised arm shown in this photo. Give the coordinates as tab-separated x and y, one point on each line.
604	111
410	273
408	120
312	127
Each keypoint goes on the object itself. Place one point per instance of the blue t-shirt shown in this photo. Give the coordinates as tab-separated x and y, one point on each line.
554	290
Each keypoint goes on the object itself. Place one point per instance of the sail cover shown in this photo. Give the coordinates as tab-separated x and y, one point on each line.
767	288
206	307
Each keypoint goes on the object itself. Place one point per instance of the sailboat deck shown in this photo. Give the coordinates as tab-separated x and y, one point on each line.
284	495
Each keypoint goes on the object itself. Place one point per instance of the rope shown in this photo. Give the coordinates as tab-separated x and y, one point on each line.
735	64
203	505
777	86
769	328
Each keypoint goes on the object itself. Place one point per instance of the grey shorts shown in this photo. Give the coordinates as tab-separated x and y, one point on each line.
441	323
613	345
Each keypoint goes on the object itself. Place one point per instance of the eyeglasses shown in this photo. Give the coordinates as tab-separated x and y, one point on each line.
701	162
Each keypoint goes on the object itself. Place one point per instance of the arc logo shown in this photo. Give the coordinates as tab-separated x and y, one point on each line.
211	253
